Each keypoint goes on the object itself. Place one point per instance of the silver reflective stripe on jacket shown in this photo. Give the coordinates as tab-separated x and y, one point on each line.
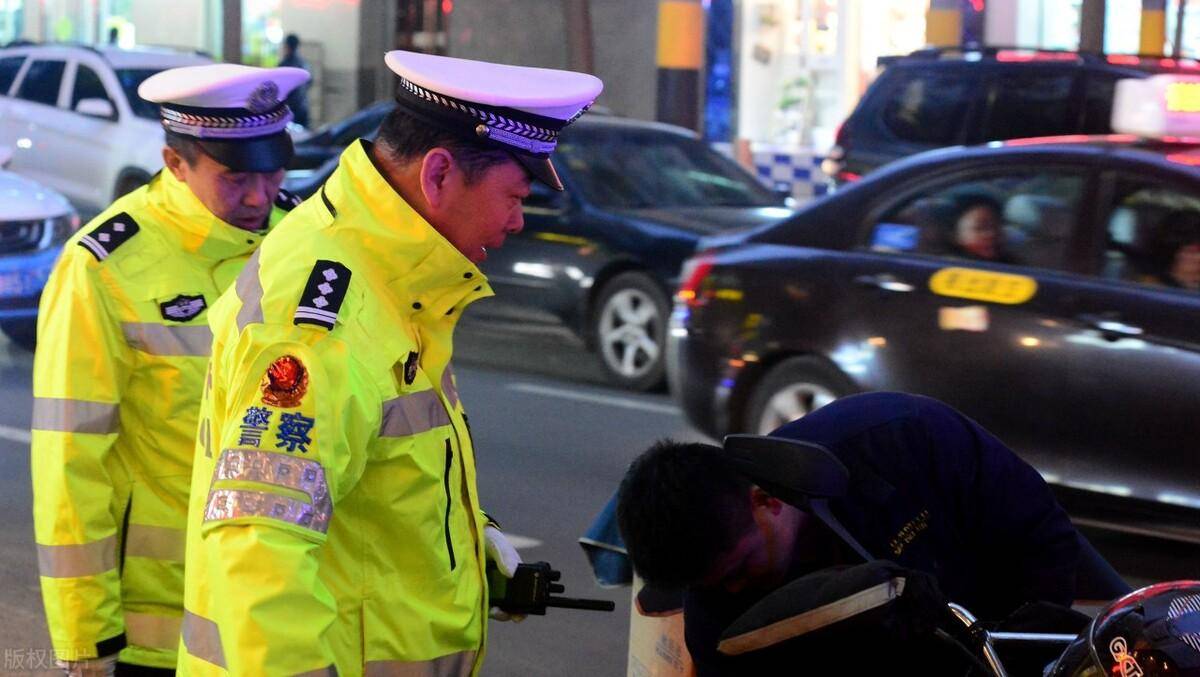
169	340
453	665
250	291
411	414
74	416
202	639
70	561
165	543
278	470
230	504
149	630
448	386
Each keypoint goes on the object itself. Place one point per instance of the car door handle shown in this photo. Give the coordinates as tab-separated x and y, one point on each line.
1110	327
885	282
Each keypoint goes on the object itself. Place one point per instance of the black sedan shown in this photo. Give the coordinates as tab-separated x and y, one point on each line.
1050	289
602	256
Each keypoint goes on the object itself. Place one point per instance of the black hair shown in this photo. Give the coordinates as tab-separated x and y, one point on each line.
292	41
679	507
1178	228
187	147
968	201
406	138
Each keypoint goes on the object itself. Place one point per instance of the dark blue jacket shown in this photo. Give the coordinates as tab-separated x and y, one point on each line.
931	490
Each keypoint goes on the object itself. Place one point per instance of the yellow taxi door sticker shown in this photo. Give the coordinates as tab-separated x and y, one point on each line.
983	285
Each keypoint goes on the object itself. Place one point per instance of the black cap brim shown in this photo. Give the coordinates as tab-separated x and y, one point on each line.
261	154
541	168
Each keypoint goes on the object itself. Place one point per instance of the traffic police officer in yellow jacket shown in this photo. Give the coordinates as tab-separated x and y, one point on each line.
123	341
334	525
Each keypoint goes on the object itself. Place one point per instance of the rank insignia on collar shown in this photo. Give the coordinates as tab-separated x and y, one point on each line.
287	200
410	368
183	307
106	237
323	295
285	383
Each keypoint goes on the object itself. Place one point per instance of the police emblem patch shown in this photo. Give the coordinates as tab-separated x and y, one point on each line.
285	383
183	307
263	98
323	295
410	368
106	237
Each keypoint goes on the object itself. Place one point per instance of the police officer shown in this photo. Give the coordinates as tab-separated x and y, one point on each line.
928	489
122	344
335	524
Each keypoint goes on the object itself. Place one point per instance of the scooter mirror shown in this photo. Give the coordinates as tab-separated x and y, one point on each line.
790	470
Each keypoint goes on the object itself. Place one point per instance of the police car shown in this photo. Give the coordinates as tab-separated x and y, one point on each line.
1049	288
34	223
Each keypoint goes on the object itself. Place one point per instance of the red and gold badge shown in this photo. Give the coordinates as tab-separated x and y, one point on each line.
285	383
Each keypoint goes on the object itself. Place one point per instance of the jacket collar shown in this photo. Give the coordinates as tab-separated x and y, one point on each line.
432	276
201	232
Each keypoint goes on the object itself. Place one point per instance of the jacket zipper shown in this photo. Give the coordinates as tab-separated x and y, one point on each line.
446	483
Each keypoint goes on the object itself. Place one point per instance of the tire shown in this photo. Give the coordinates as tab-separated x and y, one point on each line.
129	182
793	388
629	327
21	332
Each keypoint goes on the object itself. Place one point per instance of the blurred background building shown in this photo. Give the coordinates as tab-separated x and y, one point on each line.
775	75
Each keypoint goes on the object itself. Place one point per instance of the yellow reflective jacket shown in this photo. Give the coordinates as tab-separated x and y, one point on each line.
117	379
334	521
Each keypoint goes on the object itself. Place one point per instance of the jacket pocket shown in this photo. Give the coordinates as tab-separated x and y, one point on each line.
449	502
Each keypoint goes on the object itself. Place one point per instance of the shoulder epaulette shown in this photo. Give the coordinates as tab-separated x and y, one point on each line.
323	294
106	237
287	200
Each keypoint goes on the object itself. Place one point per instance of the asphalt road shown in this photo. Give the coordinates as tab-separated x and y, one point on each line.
553	442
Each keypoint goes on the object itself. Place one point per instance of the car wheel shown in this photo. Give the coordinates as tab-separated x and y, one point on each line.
129	183
21	332
793	389
629	327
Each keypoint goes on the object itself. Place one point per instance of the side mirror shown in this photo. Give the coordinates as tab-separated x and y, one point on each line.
544	199
96	108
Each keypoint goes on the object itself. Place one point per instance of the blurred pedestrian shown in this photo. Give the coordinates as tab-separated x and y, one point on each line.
298	99
123	341
335	523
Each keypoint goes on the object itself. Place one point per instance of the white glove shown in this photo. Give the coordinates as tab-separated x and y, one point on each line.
105	666
506	558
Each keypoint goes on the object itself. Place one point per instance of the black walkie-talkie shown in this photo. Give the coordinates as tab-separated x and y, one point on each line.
532	589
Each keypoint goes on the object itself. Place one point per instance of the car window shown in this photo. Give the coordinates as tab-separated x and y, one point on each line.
928	107
623	168
1029	104
41	82
9	66
88	86
1097	103
130	79
1153	235
1023	218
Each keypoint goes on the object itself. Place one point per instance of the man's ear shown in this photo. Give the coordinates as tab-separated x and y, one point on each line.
174	162
436	169
760	499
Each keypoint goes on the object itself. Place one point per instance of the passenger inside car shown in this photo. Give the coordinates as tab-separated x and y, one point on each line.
1176	252
978	231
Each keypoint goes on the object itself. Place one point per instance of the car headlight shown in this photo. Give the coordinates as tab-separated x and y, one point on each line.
61	228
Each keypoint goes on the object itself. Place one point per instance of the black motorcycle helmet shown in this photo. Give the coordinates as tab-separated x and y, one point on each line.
1152	632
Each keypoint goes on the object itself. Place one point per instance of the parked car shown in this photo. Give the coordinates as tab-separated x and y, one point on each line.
603	256
35	221
74	119
948	96
1074	335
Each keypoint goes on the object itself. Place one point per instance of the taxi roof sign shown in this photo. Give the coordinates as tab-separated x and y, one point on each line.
1157	106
